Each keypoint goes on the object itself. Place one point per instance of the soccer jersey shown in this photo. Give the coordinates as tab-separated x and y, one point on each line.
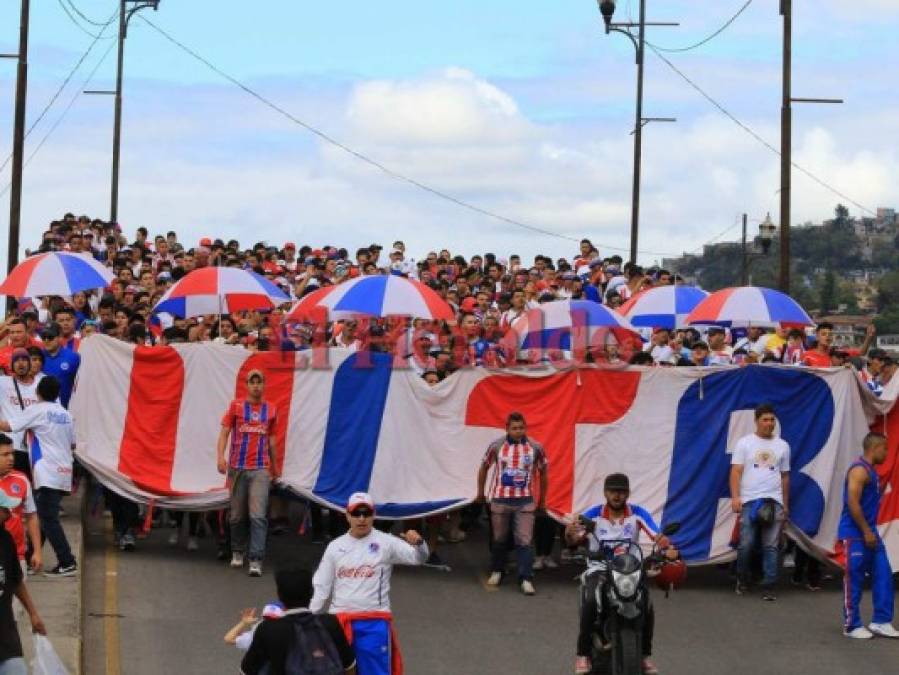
635	520
515	464
355	573
50	440
251	425
15	484
869	501
10	403
816	359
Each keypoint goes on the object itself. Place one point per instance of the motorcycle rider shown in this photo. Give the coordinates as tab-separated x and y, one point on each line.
616	519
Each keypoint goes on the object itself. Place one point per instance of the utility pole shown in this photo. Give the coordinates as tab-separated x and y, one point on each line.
117	124
744	274
18	142
786	142
786	145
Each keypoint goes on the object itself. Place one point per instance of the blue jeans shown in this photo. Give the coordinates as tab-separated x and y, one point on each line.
517	515
47	500
750	534
862	561
14	666
249	499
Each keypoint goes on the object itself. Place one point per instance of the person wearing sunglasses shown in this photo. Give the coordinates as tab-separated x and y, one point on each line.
354	575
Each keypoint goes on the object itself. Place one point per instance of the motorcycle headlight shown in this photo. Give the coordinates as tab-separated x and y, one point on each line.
625	584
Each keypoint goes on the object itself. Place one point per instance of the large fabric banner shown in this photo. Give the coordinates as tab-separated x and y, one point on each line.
147	420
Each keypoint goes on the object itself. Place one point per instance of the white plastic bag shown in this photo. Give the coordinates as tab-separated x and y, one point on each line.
46	661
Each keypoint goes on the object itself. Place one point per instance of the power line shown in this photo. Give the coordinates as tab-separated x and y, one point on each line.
362	157
756	136
78	24
62	86
86	18
59	120
709	38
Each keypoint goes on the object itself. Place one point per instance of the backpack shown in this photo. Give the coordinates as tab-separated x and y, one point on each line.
312	651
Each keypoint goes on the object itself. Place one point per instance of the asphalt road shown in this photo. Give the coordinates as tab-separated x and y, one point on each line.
164	610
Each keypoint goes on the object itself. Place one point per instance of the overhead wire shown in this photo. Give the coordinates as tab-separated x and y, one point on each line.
71	3
708	39
724	111
61	87
78	25
361	156
65	112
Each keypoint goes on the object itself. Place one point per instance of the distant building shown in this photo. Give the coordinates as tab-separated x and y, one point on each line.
848	330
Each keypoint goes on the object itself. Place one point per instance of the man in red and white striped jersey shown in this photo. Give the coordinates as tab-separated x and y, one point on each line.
516	459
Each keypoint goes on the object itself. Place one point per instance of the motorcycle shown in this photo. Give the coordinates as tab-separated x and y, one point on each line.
621	599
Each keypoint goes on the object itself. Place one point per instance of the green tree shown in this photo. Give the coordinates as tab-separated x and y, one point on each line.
828	292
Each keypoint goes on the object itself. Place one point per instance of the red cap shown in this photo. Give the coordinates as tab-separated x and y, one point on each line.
468	304
317	253
290	245
205	241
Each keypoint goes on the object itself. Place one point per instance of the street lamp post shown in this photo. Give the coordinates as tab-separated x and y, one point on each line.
767	230
127	9
607	9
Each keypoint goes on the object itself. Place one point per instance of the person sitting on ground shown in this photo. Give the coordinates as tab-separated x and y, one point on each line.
298	640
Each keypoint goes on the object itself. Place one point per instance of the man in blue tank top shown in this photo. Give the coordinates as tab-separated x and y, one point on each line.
865	552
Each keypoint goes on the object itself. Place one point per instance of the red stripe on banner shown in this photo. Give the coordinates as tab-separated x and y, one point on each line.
279	369
147	451
889	470
585	397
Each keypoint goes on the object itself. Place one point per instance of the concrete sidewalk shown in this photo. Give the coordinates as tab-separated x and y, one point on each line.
59	601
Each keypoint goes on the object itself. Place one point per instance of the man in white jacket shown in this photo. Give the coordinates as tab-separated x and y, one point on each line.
355	575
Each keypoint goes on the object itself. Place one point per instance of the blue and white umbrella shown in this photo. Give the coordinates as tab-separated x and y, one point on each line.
57	273
663	306
552	324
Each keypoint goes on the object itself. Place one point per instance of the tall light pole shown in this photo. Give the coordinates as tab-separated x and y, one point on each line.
127	8
18	139
786	141
607	9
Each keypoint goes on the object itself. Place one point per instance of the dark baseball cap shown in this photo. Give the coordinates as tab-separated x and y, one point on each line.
50	331
617	481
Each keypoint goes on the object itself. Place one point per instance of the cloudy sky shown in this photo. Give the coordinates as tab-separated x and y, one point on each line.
519	108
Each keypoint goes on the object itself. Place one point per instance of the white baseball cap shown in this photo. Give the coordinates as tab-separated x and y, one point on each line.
360	499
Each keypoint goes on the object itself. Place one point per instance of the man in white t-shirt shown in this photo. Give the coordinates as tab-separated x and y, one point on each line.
760	490
355	575
52	438
17	392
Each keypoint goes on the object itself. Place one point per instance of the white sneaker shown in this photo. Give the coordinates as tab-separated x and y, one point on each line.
193	544
173	538
860	633
237	560
255	568
527	587
549	563
538	563
495	579
883	630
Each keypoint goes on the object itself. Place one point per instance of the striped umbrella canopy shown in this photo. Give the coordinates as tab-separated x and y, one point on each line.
552	324
220	290
663	306
308	309
377	296
749	306
56	273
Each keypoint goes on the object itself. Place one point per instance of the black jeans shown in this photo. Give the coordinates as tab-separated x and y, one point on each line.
806	566
588	617
47	500
545	529
125	512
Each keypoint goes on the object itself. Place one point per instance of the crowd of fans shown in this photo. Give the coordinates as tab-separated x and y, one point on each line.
490	294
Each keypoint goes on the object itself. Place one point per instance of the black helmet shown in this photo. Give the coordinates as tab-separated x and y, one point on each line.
617	481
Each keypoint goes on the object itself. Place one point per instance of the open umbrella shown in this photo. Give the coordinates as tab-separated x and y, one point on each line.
56	273
220	290
749	306
663	306
375	296
552	324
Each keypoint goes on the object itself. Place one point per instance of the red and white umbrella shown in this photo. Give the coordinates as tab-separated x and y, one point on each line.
220	290
57	273
375	296
749	306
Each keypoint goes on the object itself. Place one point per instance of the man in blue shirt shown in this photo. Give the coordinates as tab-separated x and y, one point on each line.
60	362
865	552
